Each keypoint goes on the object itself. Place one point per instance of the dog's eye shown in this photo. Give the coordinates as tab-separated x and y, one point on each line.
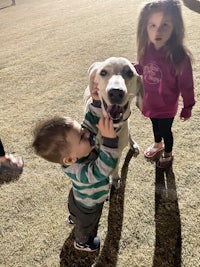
129	73
103	73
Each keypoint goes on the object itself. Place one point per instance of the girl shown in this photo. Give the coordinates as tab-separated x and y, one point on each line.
165	64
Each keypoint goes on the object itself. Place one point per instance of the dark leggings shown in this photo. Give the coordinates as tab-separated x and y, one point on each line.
2	152
162	130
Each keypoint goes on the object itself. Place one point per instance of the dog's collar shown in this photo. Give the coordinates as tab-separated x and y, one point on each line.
117	127
127	117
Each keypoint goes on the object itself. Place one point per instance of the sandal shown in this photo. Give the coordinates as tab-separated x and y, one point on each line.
165	163
152	151
12	164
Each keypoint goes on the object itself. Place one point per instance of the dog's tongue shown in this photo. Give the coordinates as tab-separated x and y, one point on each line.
115	111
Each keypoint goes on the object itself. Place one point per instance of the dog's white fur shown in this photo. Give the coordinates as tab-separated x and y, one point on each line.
118	83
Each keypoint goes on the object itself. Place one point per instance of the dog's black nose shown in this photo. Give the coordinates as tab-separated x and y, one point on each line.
115	96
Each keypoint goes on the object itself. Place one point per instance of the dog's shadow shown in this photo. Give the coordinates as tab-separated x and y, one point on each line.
6	6
167	221
69	256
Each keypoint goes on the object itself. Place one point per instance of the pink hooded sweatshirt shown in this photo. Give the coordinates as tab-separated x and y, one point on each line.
162	87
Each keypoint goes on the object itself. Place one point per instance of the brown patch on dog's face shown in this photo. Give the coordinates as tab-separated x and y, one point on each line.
117	83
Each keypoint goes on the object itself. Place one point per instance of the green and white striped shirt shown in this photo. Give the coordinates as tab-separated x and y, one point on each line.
90	175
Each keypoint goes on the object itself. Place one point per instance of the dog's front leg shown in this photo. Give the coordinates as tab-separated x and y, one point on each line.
134	146
116	181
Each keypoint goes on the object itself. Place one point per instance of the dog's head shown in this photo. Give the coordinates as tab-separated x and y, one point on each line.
118	84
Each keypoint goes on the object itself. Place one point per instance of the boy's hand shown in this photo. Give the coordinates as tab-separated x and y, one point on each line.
94	92
106	128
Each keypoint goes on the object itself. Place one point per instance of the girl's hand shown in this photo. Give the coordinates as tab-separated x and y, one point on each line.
184	119
185	114
106	127
94	92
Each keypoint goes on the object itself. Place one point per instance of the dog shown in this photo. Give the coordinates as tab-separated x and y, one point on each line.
118	83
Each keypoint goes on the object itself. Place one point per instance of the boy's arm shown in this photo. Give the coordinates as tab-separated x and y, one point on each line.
92	116
107	159
98	170
108	155
93	110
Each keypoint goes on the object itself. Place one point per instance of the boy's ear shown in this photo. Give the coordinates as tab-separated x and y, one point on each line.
69	160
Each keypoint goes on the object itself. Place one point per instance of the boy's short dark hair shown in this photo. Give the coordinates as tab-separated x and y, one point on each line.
50	140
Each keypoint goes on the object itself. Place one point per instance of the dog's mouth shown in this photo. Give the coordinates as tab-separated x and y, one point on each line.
115	112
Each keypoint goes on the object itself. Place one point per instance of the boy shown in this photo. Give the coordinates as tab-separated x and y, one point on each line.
63	140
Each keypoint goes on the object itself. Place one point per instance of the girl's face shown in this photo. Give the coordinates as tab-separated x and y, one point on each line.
159	29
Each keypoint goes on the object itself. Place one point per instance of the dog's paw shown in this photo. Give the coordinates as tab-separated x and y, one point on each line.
117	182
136	150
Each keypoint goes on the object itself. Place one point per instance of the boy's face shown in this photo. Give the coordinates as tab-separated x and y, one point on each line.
79	139
159	29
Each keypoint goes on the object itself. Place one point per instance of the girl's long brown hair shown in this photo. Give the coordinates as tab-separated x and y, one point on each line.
175	49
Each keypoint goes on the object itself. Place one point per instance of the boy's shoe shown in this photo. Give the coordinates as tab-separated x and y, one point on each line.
90	246
165	163
151	152
69	220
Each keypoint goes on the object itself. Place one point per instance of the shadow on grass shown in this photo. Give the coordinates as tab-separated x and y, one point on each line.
69	256
8	178
6	6
167	220
194	5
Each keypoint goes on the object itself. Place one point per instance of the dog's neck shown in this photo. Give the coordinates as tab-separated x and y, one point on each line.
119	125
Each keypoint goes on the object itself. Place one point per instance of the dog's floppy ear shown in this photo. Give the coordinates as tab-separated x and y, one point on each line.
140	92
92	72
